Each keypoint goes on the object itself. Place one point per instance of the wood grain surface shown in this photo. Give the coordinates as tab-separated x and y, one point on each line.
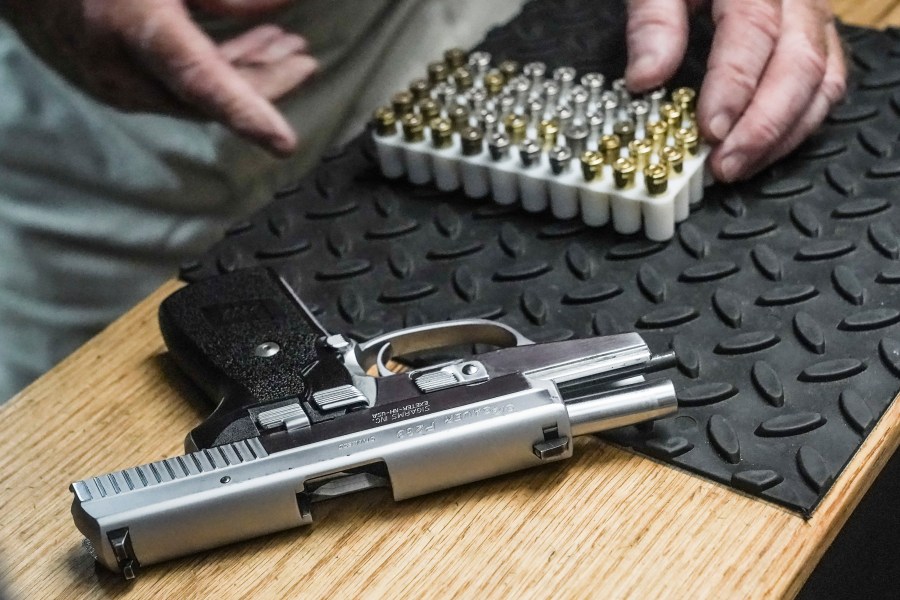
606	524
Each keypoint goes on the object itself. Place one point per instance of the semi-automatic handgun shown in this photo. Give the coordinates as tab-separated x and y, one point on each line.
304	416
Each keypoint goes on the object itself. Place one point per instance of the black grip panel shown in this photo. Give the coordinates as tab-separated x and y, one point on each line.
216	330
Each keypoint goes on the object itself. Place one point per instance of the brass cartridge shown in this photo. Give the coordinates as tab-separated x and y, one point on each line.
673	159
420	89
610	145
640	151
441	133
402	103
437	73
548	133
385	121
688	141
413	128
472	139
623	173
429	109
656	178
455	58
592	165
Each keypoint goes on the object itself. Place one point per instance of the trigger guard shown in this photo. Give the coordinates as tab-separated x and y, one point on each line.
377	351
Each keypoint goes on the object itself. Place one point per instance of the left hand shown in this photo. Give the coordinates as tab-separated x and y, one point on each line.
151	56
775	69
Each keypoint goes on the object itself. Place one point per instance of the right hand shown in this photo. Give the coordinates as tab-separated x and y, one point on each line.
150	55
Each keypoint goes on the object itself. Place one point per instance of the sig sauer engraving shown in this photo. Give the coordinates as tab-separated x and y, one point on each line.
312	422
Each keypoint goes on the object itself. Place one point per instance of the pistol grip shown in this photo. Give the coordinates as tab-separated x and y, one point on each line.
245	340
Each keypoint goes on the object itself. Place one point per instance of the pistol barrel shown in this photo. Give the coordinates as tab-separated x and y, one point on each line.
622	406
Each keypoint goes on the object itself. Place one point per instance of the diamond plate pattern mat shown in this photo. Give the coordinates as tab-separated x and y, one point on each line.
780	296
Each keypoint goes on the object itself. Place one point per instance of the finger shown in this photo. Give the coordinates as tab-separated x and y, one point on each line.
249	41
830	91
275	50
657	39
172	45
786	90
274	80
746	34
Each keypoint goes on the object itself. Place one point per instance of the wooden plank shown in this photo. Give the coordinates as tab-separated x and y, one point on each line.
873	13
891	18
608	523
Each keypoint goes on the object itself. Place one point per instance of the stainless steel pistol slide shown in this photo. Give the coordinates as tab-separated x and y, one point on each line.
303	415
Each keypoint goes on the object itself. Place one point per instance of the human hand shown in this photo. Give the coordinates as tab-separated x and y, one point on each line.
150	55
775	69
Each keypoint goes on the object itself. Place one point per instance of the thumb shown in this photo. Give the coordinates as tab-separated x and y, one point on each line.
191	66
657	39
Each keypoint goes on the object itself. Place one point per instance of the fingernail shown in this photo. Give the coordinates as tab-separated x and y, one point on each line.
732	166
719	126
643	66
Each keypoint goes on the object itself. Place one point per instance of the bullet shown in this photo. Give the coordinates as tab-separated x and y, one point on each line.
429	109
548	132
480	62
688	141
621	91
507	106
535	113
516	129
494	82
623	173
639	110
551	91
509	68
437	73
565	77
385	121
579	99
455	58
459	117
560	159
413	128
402	103
472	140
445	94
441	133
657	132
576	138
462	77
420	89
535	72
625	130
530	153
640	151
684	98
487	121
610	109
673	159
656	178
520	87
609	148
657	97
476	98
498	146
593	83
671	115
591	165
565	116
595	124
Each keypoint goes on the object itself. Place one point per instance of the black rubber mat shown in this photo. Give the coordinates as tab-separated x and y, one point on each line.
781	296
